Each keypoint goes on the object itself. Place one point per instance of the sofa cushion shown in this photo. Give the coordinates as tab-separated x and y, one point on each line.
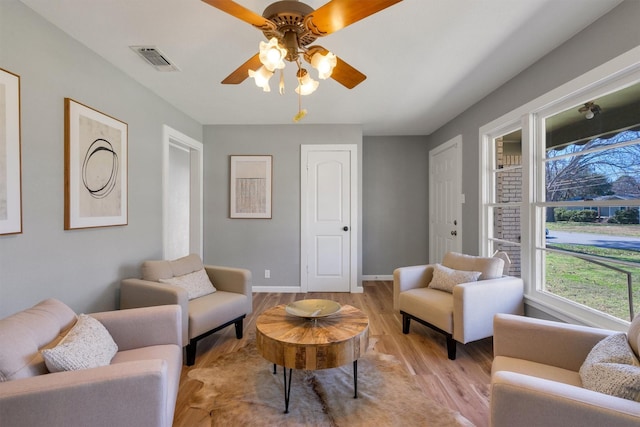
87	345
612	368
23	334
197	284
445	278
490	267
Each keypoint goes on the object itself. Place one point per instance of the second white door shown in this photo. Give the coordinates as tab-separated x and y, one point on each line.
445	209
327	234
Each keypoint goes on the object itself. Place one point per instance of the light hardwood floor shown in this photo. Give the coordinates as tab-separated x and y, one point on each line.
462	384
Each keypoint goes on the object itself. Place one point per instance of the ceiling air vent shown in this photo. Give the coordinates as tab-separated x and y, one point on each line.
154	57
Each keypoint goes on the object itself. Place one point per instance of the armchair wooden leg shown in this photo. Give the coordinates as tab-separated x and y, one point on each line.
191	353
406	320
451	348
238	325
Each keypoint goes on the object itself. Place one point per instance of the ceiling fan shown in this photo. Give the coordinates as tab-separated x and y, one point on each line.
294	26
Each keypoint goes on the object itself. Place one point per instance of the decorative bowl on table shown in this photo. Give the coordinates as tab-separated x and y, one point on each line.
312	308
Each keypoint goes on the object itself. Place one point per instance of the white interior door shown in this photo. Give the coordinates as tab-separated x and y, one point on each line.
445	199
329	223
183	197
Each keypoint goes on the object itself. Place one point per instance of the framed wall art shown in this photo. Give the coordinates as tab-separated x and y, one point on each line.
10	161
95	168
250	187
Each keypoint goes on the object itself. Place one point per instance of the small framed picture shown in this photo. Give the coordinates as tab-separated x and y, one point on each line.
250	187
95	168
10	160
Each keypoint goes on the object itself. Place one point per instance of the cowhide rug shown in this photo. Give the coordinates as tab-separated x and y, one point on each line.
240	389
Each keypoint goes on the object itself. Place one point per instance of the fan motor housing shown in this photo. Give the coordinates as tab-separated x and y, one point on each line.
288	17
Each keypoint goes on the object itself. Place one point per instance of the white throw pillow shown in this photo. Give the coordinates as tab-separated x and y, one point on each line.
87	345
445	278
197	283
612	368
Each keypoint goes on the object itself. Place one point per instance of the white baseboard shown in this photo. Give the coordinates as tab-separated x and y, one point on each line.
277	289
378	277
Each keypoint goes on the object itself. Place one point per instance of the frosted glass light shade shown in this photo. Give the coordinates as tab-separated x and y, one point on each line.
272	55
324	64
261	77
306	85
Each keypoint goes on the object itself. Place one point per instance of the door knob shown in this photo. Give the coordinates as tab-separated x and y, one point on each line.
454	233
345	228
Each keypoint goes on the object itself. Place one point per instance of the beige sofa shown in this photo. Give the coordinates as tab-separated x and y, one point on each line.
201	316
138	388
535	376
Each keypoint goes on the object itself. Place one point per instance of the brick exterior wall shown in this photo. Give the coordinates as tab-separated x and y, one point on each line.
507	219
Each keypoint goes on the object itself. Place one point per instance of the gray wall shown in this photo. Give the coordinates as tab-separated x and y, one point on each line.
260	244
395	203
81	267
613	34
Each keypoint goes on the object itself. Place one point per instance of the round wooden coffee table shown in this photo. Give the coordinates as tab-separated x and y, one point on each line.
319	343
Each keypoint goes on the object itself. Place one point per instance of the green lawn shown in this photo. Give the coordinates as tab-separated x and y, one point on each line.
591	284
629	230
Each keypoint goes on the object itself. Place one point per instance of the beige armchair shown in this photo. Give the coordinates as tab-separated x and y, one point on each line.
535	376
137	388
203	315
440	297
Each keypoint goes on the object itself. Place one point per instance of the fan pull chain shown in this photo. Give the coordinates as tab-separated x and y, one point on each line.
301	112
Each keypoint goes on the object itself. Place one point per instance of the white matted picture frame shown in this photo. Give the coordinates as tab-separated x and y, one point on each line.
95	168
10	156
250	186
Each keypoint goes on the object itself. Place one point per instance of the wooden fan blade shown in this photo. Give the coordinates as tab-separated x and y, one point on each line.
242	72
346	75
337	14
240	12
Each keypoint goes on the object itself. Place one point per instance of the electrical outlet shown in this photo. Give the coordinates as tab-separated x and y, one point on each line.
267	274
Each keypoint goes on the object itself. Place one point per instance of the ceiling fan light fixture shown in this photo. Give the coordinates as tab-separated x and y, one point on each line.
306	85
261	77
324	63
590	110
272	55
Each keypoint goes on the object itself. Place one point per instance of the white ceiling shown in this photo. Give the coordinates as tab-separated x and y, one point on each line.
426	61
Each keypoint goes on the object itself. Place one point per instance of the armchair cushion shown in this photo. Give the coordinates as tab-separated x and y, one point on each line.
612	368
196	283
445	278
154	270
535	379
87	345
23	334
489	267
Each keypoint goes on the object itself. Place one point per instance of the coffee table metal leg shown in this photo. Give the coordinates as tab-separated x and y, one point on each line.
287	388
355	379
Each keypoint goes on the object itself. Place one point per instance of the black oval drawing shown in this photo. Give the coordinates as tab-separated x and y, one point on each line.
100	146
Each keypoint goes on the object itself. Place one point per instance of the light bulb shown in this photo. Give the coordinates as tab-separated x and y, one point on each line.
589	115
324	64
272	55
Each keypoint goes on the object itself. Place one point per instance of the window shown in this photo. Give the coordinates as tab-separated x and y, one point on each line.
560	192
504	197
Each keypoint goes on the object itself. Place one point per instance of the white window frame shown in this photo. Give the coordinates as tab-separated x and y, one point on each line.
621	71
